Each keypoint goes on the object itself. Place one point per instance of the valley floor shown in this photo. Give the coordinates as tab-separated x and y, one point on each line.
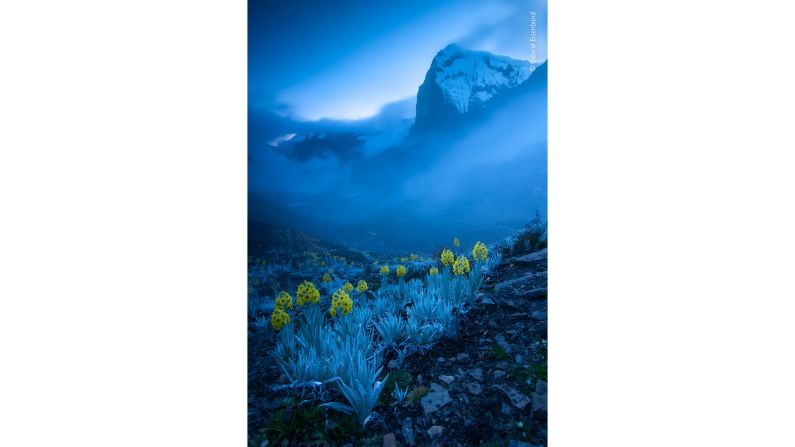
487	385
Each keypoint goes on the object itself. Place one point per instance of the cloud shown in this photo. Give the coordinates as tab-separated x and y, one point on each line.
509	35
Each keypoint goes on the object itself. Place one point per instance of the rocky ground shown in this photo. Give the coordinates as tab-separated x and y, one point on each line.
488	385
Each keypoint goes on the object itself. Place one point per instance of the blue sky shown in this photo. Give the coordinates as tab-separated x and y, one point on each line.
346	59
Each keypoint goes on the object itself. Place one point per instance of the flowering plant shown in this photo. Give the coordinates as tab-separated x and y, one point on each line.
284	301
461	266
447	257
307	293
279	319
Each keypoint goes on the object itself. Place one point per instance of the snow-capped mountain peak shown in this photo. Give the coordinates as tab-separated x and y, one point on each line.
468	77
461	80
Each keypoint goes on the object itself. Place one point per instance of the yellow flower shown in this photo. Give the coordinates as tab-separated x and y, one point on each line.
480	251
461	265
384	269
404	259
362	286
433	271
341	300
327	278
401	271
307	293
279	319
284	300
347	287
447	257
413	257
456	242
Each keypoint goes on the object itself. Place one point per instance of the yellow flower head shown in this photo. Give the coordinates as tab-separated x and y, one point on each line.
384	269
433	271
456	242
404	259
447	257
284	301
279	319
401	271
347	287
413	257
461	265
307	293
362	286
327	278
341	300
480	251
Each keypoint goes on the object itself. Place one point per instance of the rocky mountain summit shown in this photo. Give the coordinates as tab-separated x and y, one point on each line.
461	81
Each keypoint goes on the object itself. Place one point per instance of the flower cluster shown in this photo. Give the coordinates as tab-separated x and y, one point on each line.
340	300
461	265
279	319
447	257
401	271
362	286
404	259
307	293
384	269
433	271
326	278
480	251
284	301
413	257
347	287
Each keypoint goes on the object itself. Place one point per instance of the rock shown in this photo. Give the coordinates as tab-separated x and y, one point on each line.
462	357
435	431
485	300
502	364
539	315
451	359
519	360
534	294
408	432
493	324
515	443
436	398
441	360
498	374
540	255
389	440
510	285
474	388
518	399
506	409
476	373
500	339
540	396
447	379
